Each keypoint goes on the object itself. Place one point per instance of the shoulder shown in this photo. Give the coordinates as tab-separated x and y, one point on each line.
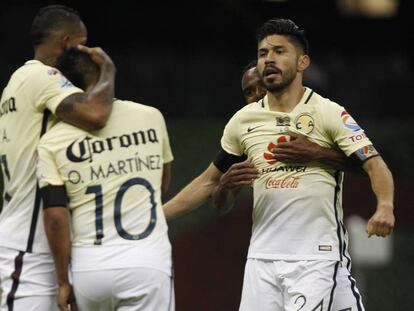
322	104
60	133
136	109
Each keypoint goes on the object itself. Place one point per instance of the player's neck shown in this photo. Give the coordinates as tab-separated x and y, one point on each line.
286	100
46	55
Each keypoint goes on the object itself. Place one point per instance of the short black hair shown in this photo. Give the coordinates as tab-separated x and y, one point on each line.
283	26
252	64
51	18
77	67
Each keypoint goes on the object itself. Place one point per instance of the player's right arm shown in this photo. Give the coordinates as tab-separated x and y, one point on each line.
90	111
194	194
56	221
57	230
238	175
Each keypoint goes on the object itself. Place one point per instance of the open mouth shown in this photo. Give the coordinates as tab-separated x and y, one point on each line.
271	71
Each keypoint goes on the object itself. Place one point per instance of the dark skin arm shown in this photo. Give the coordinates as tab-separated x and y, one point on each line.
301	150
238	175
90	111
57	230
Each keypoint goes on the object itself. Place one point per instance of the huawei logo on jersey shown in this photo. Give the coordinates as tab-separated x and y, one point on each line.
270	158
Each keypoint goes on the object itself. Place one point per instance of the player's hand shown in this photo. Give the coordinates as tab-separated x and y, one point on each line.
238	175
66	298
98	56
299	149
382	222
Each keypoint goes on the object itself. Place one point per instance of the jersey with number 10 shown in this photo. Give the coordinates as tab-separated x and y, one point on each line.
113	179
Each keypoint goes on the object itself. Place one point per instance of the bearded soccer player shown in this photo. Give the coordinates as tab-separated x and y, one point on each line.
111	180
36	94
298	254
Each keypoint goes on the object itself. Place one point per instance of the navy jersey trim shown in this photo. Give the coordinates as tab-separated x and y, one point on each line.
18	266
333	287
309	97
36	207
355	293
54	196
338	225
224	160
348	265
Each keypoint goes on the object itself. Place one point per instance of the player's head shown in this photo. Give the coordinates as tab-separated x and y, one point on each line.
282	53
58	25
78	68
252	85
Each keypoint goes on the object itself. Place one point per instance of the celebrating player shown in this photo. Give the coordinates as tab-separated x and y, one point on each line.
298	249
111	180
298	255
35	94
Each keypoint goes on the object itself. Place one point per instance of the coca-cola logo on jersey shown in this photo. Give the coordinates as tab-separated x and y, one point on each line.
83	149
291	182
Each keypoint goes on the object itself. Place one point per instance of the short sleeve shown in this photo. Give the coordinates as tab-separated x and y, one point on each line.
345	131
166	147
230	141
51	88
47	171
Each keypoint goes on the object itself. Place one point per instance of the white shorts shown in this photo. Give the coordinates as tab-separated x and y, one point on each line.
27	281
125	289
317	285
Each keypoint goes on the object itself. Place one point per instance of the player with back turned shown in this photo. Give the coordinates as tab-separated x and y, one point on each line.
36	94
113	179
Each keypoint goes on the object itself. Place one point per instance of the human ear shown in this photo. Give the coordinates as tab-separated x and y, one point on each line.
303	62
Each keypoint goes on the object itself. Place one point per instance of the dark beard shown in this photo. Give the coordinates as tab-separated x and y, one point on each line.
277	87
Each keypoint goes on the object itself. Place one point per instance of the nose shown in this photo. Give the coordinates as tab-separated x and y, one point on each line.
270	57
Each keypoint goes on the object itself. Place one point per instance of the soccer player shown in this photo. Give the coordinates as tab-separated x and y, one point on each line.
298	149
111	180
35	95
298	252
251	83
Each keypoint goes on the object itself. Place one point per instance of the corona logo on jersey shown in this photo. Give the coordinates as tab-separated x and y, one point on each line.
269	155
83	149
349	122
8	105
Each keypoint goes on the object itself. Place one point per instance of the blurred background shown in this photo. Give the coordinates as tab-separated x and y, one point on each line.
186	58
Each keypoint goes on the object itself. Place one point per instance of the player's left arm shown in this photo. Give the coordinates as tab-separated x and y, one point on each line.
383	220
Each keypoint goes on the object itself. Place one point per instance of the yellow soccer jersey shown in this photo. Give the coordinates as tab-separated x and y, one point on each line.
32	92
297	211
112	177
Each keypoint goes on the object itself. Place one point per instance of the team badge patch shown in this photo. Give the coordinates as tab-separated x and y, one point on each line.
349	122
282	121
304	123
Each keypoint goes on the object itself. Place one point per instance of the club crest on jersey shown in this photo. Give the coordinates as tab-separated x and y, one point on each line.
270	158
305	123
282	121
349	122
